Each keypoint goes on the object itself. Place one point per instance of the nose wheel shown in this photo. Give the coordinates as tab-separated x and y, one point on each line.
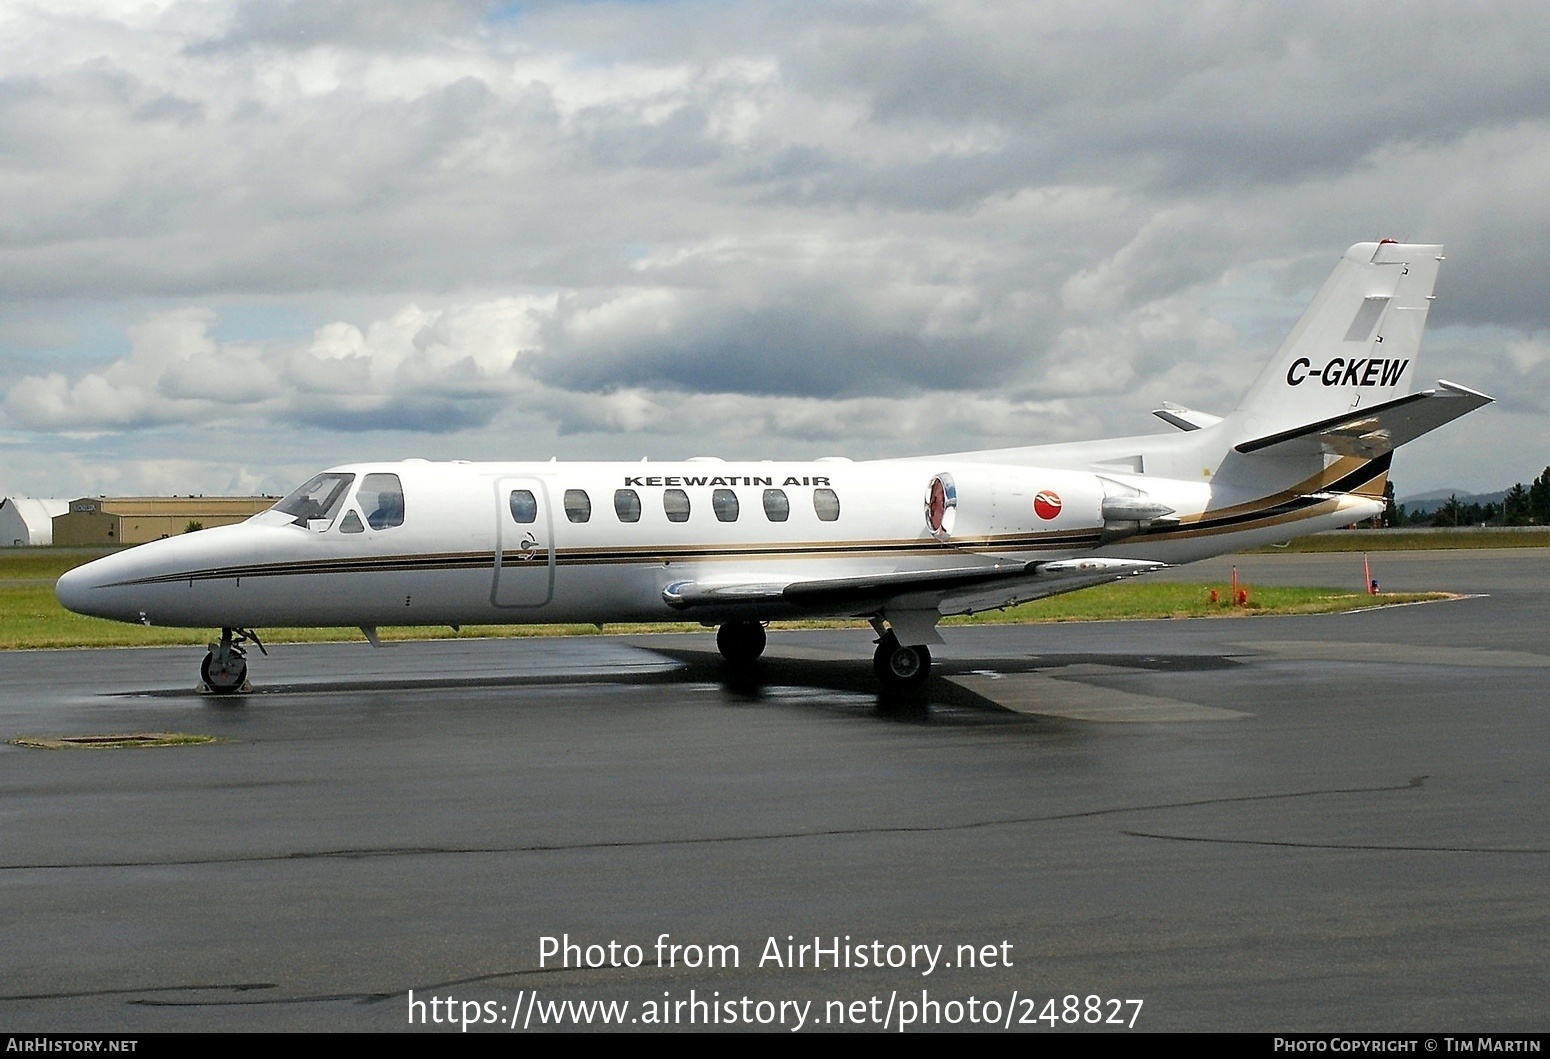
740	642
225	668
900	667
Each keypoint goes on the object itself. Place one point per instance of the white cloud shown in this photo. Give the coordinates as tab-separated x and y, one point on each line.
837	224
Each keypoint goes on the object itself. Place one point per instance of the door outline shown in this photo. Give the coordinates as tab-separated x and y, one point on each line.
518	548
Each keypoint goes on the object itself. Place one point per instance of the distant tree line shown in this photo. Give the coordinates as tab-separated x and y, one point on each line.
1522	506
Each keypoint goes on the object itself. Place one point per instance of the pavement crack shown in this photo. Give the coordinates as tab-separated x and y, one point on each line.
363	853
228	987
1379	847
358	997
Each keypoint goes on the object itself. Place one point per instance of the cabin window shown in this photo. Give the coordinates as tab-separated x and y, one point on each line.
524	506
320	498
827	504
578	505
777	508
351	523
724	503
627	505
675	502
382	498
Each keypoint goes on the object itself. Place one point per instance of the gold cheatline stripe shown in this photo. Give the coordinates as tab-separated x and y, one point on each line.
1237	518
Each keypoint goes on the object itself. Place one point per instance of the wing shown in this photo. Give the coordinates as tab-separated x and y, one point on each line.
1371	432
955	591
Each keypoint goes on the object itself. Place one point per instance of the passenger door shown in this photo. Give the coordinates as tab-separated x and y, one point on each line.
524	544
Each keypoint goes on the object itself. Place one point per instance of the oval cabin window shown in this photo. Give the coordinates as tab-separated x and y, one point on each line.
675	503
524	506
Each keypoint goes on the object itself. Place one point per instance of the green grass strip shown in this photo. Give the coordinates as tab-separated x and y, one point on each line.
31	617
113	742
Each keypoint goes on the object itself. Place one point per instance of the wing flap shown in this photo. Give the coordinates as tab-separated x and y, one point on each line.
684	595
909	588
1072	575
1372	432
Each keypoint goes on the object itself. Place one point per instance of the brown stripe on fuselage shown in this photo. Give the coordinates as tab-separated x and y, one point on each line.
1266	511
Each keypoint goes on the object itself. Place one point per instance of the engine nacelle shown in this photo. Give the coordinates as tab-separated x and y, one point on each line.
983	502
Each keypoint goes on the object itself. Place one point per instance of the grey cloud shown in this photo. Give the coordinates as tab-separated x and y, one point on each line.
1198	96
417	415
801	341
840	203
302	24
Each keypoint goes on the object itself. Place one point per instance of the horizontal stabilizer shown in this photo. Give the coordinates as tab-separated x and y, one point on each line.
1185	418
1372	432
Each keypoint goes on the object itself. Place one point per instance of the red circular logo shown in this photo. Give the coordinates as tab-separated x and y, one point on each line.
1046	504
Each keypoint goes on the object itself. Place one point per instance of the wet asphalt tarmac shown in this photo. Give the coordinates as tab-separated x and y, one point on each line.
1312	823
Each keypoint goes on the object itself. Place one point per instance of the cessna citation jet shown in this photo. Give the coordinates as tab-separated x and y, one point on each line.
897	542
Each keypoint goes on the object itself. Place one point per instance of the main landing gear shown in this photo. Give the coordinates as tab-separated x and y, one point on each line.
900	667
740	642
225	668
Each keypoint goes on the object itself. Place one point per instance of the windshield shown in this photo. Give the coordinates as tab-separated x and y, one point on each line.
318	499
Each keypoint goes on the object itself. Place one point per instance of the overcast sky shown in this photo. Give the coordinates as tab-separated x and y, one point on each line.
241	241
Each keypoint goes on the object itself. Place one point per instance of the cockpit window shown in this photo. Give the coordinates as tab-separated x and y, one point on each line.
318	499
381	496
351	523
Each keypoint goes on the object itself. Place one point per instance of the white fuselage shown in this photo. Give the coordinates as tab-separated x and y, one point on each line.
461	557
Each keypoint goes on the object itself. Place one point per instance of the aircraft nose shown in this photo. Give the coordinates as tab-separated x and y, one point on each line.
79	590
73	588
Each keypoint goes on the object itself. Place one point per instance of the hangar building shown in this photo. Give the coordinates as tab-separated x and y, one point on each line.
99	520
29	520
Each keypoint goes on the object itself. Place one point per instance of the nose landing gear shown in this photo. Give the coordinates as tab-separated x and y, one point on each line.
740	642
225	668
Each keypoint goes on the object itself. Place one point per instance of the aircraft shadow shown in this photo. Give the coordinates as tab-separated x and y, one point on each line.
844	683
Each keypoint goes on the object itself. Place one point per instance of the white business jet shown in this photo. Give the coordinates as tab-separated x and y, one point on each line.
898	542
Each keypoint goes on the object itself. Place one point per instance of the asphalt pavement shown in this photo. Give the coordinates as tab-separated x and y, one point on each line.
1333	822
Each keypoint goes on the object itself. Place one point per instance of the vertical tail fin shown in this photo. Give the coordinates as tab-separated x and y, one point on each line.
1355	346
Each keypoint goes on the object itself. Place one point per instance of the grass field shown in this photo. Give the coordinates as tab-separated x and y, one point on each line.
31	617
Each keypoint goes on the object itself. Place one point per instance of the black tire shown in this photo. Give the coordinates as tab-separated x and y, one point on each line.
740	642
901	667
223	682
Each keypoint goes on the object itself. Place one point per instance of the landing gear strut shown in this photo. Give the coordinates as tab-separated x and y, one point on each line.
900	667
740	642
225	668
